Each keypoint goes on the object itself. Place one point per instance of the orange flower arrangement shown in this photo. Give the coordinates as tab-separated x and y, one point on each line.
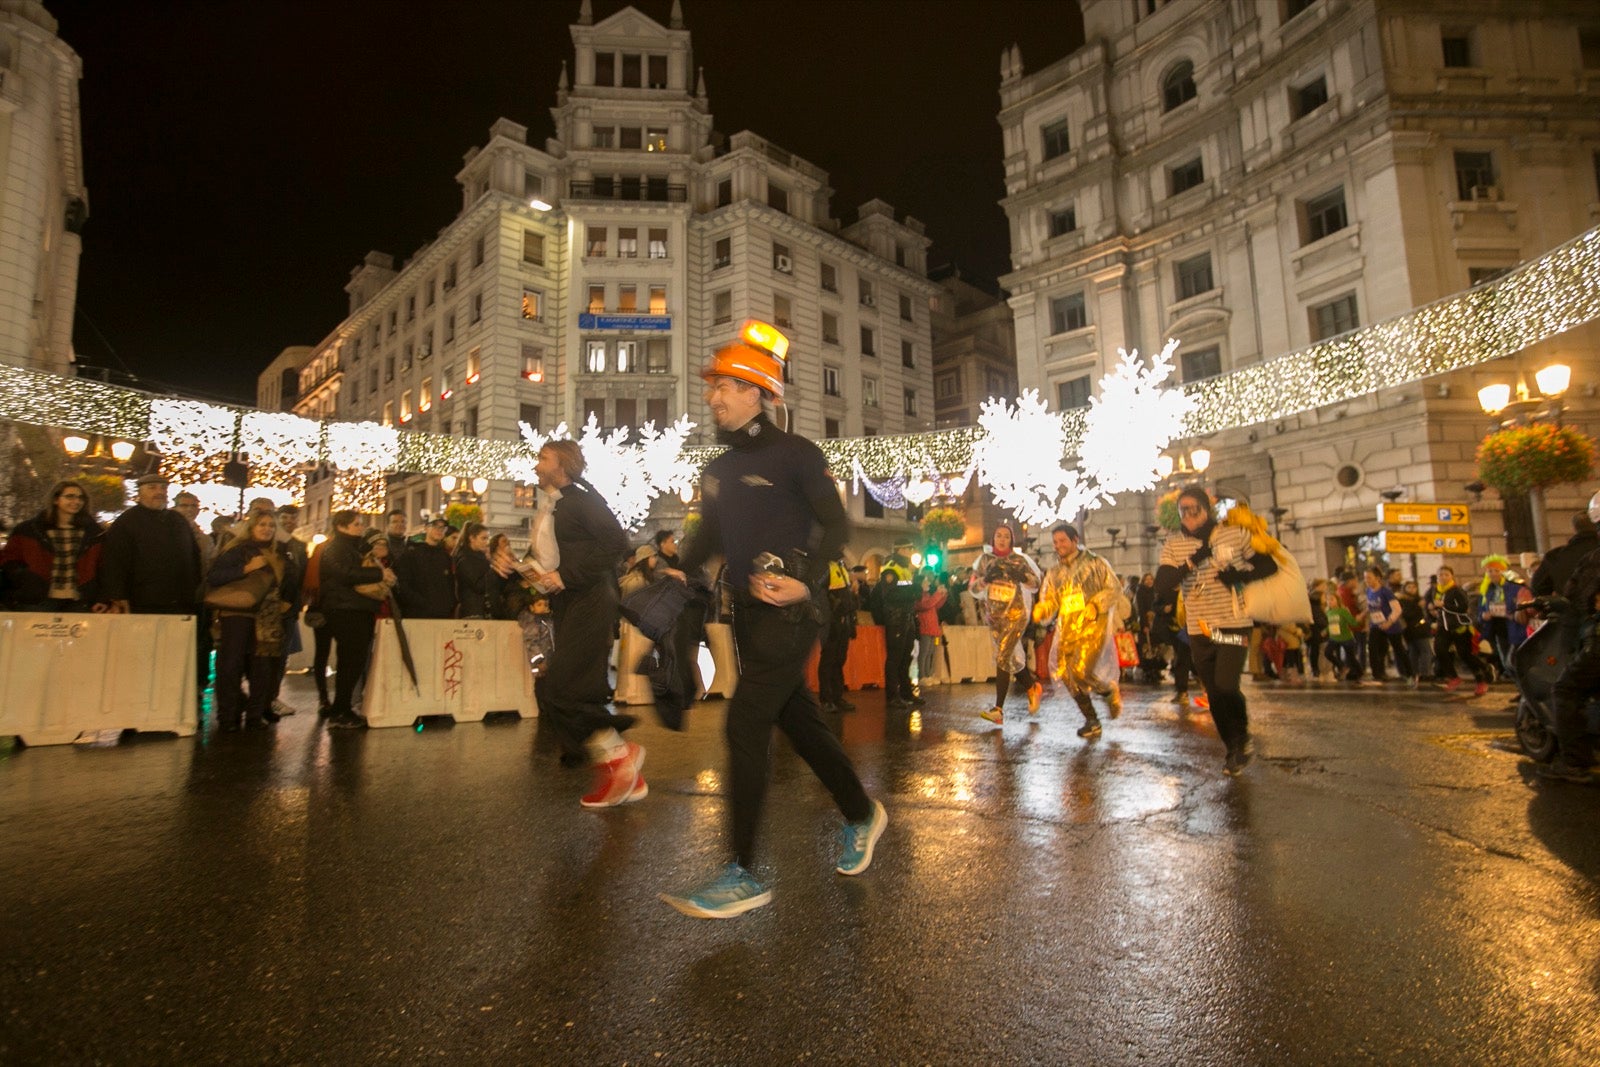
1519	458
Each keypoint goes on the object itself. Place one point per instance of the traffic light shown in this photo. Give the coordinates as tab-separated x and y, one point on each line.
931	557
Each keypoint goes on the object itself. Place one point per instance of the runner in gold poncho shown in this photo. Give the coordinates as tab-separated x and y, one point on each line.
1005	580
1081	592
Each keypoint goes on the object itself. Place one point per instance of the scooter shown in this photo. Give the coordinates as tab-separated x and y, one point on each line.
1539	661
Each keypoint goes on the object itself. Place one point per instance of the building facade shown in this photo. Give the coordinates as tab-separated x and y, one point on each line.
278	387
592	275
1254	177
43	202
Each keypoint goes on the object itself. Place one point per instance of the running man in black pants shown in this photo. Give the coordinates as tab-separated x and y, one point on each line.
771	508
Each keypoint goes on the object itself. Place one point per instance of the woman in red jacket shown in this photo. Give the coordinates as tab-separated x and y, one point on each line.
930	598
52	562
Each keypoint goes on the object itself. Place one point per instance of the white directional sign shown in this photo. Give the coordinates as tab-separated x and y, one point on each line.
1407	541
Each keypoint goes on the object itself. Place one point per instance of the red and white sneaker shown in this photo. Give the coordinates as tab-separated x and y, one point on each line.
1452	684
1480	689
618	779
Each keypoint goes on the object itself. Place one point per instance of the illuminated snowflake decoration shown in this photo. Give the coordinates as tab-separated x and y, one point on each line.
1021	457
629	475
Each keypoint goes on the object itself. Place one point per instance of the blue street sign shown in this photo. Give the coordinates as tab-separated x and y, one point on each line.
624	322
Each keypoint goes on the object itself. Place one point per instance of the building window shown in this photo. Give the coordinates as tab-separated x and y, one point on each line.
908	354
532	184
474	366
405	358
658	300
1291	8
1589	49
1457	48
725	192
1479	275
1305	99
595	357
1073	394
405	406
627	357
450	327
865	293
1201	363
533	363
869	342
658	244
477	307
388	412
1178	86
605	68
830	381
477	252
411	308
870	508
1063	221
722	253
778	198
628	299
869	392
1185	176
782	261
596	247
722	306
445	392
1057	139
532	248
1068	313
627	411
782	311
1324	215
425	345
469	424
947	385
905	307
656	412
427	299
632	70
394	321
657	71
830	427
911	402
597	299
1474	175
388	369
657	356
1194	276
655	139
830	328
830	274
425	395
1334	317
450	276
628	242
532	304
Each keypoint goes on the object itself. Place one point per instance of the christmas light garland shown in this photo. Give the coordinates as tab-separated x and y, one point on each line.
1542	299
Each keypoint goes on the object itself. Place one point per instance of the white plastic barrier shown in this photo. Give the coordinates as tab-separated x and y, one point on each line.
63	675
970	650
466	668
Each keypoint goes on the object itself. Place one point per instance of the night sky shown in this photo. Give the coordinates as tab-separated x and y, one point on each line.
241	158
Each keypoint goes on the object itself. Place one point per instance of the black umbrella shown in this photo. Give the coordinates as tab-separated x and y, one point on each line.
405	645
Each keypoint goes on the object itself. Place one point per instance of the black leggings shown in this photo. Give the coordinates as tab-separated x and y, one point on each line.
1219	661
1002	683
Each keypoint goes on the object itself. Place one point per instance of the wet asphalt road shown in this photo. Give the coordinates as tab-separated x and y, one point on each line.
1385	885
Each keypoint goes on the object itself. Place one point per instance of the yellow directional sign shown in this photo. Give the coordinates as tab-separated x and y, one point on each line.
1406	541
1423	514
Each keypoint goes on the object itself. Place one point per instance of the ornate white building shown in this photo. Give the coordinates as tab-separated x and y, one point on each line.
1252	177
594	275
43	202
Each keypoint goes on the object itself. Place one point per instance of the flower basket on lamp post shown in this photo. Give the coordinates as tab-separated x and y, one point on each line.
943	524
1520	461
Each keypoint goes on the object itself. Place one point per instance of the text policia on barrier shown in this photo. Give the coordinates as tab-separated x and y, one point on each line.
1539	300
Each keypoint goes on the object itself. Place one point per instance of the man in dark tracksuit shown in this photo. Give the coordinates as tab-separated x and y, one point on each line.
351	616
772	510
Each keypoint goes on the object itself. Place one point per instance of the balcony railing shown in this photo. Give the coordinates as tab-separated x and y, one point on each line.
627	190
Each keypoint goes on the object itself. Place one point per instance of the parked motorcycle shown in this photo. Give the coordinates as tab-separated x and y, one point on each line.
1539	661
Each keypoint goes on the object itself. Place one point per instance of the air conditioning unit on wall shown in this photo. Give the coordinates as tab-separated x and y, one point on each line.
784	264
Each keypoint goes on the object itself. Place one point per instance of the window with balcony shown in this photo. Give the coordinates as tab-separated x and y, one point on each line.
1068	313
830	381
1194	276
1185	176
829	277
1475	177
722	306
628	242
627	357
830	328
628	299
425	396
658	244
1304	99
594	359
1200	364
722	253
1334	317
1324	215
1063	221
869	341
595	247
1057	138
1178	86
658	300
474	366
532	304
405	406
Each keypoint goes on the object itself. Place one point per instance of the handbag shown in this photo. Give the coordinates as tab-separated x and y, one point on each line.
1280	597
1127	649
242	594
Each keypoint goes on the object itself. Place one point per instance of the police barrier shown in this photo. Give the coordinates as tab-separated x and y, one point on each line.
466	668
63	675
970	653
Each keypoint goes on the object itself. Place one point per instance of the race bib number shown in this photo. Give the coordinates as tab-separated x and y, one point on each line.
1002	592
1497	610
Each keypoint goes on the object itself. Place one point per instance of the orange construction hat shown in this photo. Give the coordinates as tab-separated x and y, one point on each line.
757	357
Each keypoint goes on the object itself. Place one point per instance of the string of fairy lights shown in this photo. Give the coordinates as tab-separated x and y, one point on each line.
196	440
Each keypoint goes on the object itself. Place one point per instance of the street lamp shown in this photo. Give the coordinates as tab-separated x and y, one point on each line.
1184	464
1513	407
